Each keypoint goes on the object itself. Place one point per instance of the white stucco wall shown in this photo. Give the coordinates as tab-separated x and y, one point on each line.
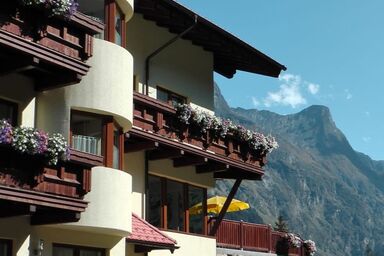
106	89
183	68
189	246
110	207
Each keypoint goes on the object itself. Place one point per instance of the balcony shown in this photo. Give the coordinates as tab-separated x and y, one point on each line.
53	51
154	129
49	194
238	235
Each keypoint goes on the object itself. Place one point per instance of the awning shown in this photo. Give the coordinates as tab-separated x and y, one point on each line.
230	53
146	237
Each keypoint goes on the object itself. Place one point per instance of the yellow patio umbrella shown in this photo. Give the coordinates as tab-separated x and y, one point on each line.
216	203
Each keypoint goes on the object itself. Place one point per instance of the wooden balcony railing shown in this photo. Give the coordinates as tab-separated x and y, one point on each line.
51	50
29	186
155	119
253	237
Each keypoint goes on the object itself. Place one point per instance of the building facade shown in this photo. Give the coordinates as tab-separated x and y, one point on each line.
113	79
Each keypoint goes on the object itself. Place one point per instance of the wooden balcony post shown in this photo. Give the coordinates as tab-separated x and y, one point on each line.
269	238
241	235
225	207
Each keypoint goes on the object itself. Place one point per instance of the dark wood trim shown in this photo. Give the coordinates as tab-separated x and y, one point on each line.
231	195
205	212
154	121
42	199
109	135
110	11
186	207
148	101
121	149
161	140
56	57
164	203
87	159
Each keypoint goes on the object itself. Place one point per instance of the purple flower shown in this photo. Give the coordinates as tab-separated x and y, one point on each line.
6	132
41	142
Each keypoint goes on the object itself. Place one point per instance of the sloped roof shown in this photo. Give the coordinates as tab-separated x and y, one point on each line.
230	53
145	234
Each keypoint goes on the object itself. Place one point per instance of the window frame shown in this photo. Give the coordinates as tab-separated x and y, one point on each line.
164	206
9	243
15	110
109	125
110	10
77	248
170	94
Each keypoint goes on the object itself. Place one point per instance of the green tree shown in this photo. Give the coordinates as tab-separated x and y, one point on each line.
281	224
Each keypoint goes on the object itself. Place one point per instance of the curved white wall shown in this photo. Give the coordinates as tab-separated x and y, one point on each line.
109	210
126	7
106	89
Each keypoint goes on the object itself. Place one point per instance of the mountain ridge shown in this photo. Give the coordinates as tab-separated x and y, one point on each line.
328	191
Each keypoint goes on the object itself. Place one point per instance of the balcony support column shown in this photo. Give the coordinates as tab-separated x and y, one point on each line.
231	195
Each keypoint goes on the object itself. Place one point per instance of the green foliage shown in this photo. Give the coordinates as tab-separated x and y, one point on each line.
281	225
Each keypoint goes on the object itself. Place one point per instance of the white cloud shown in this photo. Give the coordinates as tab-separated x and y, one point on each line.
255	101
291	92
367	139
313	88
288	95
348	95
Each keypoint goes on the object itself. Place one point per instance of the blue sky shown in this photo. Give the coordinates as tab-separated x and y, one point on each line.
334	52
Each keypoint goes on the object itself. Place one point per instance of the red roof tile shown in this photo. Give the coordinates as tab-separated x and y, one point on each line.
145	234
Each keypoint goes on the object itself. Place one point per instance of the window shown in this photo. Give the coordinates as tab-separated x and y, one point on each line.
87	133
5	247
71	250
196	220
98	135
115	23
169	203
175	205
155	204
8	111
170	97
119	24
110	14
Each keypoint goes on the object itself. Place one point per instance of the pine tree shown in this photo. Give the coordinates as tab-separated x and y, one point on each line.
281	225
